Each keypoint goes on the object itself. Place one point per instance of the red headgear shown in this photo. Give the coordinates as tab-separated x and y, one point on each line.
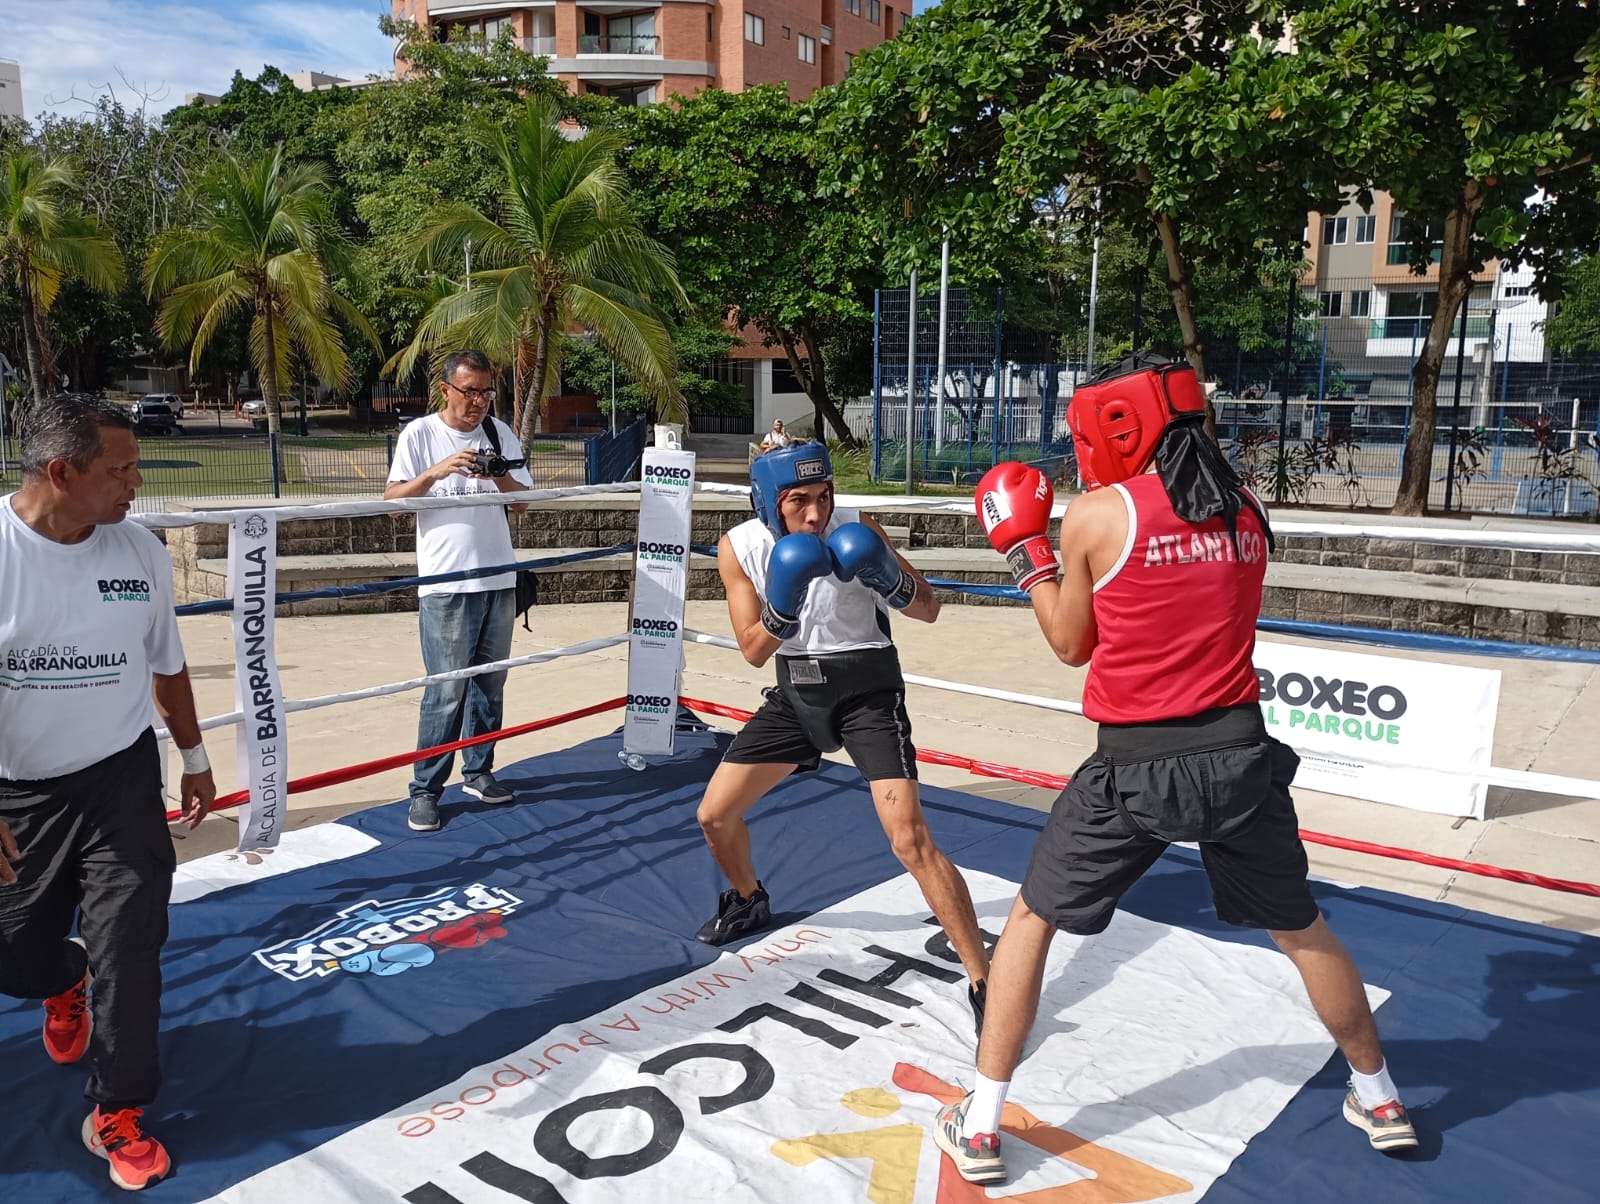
1116	422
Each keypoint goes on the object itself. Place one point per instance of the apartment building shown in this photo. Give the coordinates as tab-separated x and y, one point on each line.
642	51
10	90
1374	310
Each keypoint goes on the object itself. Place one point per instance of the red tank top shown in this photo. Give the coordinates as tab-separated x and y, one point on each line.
1176	616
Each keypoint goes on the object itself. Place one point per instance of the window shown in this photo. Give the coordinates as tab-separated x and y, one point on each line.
785	33
849	61
853	6
640	94
1518	290
755	29
1401	232
1367	229
1409	314
1330	305
874	10
1335	231
1360	302
710	34
808	49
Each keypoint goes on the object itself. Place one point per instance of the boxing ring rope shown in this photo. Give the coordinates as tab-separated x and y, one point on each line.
1516	779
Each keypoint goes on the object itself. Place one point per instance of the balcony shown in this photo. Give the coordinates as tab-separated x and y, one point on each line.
543	45
633	43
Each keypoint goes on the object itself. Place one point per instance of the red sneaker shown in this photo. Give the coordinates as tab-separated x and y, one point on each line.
137	1159
68	1023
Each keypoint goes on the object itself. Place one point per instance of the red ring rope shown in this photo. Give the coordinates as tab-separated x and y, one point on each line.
1036	778
993	769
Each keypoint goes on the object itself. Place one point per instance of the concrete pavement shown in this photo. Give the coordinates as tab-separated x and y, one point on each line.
1548	715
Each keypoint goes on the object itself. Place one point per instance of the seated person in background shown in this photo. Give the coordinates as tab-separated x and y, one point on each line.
776	437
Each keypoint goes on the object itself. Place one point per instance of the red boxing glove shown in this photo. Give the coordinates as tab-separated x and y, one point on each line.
1013	503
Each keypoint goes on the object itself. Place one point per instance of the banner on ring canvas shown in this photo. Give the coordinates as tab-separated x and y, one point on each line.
1358	720
780	1071
263	735
660	585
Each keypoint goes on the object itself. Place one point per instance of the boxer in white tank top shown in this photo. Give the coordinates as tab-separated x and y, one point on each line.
814	588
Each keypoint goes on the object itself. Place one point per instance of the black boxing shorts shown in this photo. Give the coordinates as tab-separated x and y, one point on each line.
850	700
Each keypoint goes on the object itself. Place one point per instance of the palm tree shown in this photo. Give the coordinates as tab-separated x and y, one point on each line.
44	239
261	242
567	250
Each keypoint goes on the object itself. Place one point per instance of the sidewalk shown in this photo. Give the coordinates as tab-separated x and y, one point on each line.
1548	715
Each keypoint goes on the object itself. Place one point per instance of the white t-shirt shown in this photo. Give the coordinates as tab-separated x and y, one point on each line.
838	616
82	628
454	539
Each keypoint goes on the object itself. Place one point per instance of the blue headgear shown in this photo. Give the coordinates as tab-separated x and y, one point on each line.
774	473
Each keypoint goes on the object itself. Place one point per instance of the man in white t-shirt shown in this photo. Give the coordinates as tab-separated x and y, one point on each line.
451	453
89	654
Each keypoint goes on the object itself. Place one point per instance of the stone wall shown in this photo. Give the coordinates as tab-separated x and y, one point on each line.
1489	593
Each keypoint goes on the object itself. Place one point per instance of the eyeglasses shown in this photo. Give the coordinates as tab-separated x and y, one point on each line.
487	395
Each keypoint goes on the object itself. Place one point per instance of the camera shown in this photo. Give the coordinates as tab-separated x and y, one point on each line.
490	463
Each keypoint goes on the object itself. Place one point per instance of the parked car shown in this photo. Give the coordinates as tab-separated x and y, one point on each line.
153	414
173	400
254	409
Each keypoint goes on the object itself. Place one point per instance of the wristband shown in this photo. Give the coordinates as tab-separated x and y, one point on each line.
195	759
779	626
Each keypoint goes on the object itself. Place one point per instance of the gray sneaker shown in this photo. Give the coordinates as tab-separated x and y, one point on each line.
486	787
977	1158
1387	1126
424	814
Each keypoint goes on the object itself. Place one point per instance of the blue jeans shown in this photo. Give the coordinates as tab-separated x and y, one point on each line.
460	630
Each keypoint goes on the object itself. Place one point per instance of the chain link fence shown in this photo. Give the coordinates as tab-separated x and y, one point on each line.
1319	420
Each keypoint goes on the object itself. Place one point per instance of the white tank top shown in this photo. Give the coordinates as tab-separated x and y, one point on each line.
838	616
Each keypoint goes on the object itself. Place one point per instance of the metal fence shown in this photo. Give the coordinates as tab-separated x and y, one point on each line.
1322	421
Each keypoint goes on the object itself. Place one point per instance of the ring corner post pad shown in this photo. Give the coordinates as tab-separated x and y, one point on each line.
660	588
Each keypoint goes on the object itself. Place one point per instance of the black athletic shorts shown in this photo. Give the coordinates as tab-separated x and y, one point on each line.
850	700
1216	778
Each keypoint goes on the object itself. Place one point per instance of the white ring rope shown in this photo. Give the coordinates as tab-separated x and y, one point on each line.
416	683
1517	779
1545	541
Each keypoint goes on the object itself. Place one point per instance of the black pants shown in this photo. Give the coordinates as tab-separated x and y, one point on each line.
94	840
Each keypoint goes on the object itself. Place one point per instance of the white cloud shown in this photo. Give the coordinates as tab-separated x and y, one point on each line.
71	50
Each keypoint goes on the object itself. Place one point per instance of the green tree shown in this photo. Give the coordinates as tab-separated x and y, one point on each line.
45	239
1187	123
731	181
1575	325
564	248
260	243
1482	119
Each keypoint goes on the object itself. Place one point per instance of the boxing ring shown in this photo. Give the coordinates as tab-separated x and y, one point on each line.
514	1008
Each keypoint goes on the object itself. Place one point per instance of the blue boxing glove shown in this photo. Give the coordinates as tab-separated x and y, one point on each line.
795	562
860	554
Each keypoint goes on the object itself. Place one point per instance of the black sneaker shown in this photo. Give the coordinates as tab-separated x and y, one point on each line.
736	916
489	788
424	813
978	997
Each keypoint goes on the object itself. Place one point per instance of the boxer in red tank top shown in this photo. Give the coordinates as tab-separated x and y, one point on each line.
1158	590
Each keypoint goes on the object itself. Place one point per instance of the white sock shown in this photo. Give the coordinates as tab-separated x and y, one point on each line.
988	1097
1374	1089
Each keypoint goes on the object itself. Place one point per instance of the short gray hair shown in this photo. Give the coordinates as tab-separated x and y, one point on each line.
467	357
66	426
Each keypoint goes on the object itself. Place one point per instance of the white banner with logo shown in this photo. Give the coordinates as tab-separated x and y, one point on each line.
808	1065
263	735
660	585
1363	723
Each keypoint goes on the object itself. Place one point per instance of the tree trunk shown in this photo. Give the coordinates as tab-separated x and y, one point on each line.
269	372
1455	284
1180	286
813	380
534	382
32	336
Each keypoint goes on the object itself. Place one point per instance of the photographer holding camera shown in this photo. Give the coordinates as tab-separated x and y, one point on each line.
460	449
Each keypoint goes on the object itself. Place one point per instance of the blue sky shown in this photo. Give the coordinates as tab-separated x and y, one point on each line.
165	48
